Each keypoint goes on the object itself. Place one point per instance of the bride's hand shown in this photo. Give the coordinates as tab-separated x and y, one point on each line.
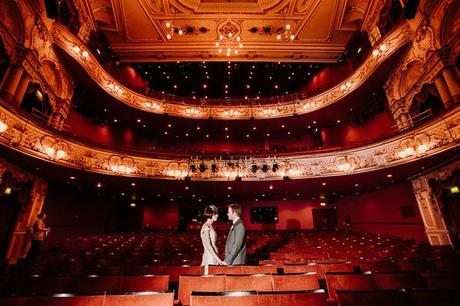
220	262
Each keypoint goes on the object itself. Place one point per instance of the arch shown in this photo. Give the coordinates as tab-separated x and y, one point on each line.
450	24
50	72
11	21
412	72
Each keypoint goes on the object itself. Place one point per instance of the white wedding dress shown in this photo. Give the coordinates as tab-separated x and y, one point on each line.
208	232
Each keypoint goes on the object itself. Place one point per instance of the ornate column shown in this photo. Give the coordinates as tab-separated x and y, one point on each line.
19	244
60	113
444	93
401	115
11	81
21	89
449	73
435	227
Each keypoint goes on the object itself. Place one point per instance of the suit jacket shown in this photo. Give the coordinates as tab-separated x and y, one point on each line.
235	247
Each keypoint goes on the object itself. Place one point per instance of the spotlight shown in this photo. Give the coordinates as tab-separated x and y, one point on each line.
254	168
274	167
213	167
193	168
264	168
286	178
202	167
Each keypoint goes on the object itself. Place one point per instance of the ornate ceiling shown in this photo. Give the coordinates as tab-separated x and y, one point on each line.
136	29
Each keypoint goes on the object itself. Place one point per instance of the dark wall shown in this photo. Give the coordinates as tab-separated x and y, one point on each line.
72	212
393	211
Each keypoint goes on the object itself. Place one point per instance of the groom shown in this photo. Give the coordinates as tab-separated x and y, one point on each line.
235	247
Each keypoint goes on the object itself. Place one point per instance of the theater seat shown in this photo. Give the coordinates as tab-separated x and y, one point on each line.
293	298
225	270
267	269
399	280
145	283
435	297
373	297
442	280
203	283
295	282
258	282
299	268
149	298
241	298
348	281
14	301
65	300
382	266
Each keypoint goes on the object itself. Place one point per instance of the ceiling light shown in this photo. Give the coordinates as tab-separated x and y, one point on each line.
72	177
99	185
324	183
389	175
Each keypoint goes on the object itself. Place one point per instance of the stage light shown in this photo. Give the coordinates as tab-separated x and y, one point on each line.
454	190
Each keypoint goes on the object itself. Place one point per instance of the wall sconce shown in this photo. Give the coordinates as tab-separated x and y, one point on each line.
53	148
3	126
418	146
346	163
192	112
121	165
230	172
178	171
270	112
114	88
154	106
231	113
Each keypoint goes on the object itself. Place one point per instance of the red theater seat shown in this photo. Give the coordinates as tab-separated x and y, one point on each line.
145	283
419	266
398	280
300	298
257	282
14	301
246	298
267	269
383	266
295	282
176	271
225	270
204	283
300	268
442	280
159	298
373	297
90	300
93	284
348	281
435	297
45	285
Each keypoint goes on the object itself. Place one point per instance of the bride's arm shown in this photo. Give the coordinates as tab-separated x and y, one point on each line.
208	245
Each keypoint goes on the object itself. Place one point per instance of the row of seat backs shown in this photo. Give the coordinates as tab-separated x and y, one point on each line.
160	298
393	280
395	297
257	282
254	298
91	284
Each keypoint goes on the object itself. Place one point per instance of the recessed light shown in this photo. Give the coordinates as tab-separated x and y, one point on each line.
323	183
314	122
133	184
389	175
166	133
205	86
282	126
229	187
207	135
227	136
247	135
72	177
270	187
115	120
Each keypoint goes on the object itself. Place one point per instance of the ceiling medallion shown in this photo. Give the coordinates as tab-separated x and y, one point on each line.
229	40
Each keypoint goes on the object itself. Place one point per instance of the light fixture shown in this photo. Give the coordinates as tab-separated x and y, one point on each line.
285	32
229	42
3	126
171	29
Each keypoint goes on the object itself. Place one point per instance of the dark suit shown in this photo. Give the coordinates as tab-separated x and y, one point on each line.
235	247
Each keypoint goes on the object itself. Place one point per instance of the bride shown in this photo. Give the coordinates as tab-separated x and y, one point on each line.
208	238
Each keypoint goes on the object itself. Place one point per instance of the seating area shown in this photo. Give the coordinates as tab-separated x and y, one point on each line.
318	268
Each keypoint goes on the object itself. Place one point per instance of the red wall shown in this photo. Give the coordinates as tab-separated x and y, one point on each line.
379	212
328	77
348	134
161	217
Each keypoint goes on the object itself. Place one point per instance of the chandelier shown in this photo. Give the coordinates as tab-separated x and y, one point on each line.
172	30
285	32
229	42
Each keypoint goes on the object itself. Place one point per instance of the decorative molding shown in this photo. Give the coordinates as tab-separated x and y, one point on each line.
439	135
284	108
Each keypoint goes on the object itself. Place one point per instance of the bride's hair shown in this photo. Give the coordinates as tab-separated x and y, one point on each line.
210	211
